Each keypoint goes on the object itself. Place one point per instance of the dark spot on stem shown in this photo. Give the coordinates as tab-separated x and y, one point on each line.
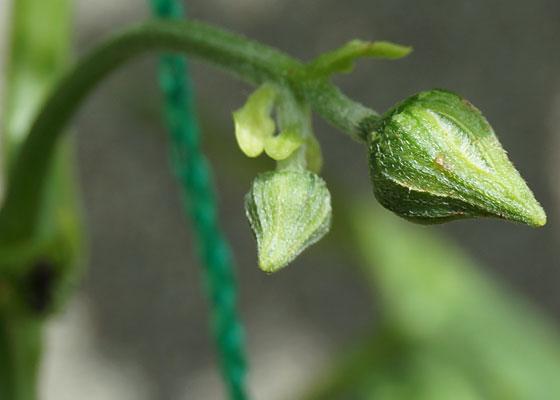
3	291
40	282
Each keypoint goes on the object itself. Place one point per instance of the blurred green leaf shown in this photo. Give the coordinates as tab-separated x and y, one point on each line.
419	375
448	330
441	302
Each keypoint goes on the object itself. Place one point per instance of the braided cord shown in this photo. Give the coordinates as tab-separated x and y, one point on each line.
193	172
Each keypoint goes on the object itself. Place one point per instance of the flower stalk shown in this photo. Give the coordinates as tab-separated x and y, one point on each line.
248	60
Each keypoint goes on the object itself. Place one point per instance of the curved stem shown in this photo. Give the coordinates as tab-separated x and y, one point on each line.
244	58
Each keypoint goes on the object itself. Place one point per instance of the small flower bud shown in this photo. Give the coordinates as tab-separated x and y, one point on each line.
434	158
288	211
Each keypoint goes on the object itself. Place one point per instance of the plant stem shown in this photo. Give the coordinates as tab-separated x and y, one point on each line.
20	341
38	52
244	58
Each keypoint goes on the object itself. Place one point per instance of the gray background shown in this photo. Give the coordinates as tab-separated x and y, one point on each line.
138	327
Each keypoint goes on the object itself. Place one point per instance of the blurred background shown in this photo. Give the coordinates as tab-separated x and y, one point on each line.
137	327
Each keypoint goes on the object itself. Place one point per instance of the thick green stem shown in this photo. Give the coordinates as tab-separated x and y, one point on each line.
20	341
246	59
337	109
38	52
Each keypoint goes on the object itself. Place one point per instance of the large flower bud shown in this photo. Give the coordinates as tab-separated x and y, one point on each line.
434	158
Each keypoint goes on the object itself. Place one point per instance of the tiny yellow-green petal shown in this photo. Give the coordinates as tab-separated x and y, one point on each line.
282	146
253	124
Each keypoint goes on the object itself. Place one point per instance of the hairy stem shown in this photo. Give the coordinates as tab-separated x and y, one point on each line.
244	58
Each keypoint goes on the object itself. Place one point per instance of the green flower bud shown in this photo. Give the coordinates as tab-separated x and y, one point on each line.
434	158
288	211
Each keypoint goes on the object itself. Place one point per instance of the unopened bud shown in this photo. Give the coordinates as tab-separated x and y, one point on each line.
434	158
288	211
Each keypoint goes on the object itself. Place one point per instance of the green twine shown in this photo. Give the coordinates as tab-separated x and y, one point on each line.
193	172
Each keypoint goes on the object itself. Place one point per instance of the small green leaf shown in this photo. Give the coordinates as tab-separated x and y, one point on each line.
342	60
253	124
436	298
288	211
435	158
